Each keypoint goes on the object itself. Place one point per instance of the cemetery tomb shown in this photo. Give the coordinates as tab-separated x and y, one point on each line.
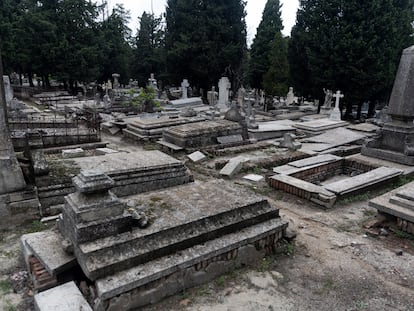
319	126
193	233
271	130
200	134
151	128
325	178
398	203
396	140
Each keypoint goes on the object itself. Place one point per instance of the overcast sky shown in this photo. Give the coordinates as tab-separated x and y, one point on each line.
254	11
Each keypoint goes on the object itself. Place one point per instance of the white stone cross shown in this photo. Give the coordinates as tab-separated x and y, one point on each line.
336	113
184	86
338	97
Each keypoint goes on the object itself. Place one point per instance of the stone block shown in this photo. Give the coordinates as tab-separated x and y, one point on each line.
231	139
47	247
197	156
253	177
73	153
66	297
232	167
104	151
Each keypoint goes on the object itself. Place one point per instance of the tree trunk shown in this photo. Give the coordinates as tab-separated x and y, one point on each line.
371	108
29	74
47	81
358	116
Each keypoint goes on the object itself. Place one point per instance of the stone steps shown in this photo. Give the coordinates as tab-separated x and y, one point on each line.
396	203
109	255
164	276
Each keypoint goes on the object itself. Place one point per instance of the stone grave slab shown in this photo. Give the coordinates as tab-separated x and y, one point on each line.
201	134
312	161
151	127
73	153
272	129
319	126
231	139
232	167
105	151
47	247
253	177
363	180
187	102
197	156
334	138
364	127
66	297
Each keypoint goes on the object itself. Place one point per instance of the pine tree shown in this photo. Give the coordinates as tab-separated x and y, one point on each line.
263	43
205	40
352	45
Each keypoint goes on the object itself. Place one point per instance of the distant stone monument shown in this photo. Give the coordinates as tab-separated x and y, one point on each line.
326	108
116	77
224	92
396	140
184	87
290	97
336	112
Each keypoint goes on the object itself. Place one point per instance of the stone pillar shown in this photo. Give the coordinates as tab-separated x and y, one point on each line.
184	88
224	92
336	112
11	176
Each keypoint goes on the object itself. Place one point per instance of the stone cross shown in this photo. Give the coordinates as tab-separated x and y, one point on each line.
184	86
336	113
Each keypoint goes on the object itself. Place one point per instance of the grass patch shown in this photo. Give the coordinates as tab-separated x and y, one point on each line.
5	286
220	281
37	226
155	199
264	265
404	235
355	198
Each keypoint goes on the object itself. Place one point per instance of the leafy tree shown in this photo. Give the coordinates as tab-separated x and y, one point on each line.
149	54
352	45
276	79
268	32
205	39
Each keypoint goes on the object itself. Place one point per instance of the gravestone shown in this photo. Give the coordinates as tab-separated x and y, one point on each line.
396	140
336	113
326	109
116	80
224	92
184	86
290	97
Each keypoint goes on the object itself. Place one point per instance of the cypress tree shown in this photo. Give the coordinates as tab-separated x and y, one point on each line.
205	39
268	31
350	45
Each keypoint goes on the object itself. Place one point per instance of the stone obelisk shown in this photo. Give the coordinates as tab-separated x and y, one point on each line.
11	176
396	141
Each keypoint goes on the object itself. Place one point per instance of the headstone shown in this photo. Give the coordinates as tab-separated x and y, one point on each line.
336	112
212	96
224	92
197	157
107	101
233	114
116	84
290	143
290	97
184	86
